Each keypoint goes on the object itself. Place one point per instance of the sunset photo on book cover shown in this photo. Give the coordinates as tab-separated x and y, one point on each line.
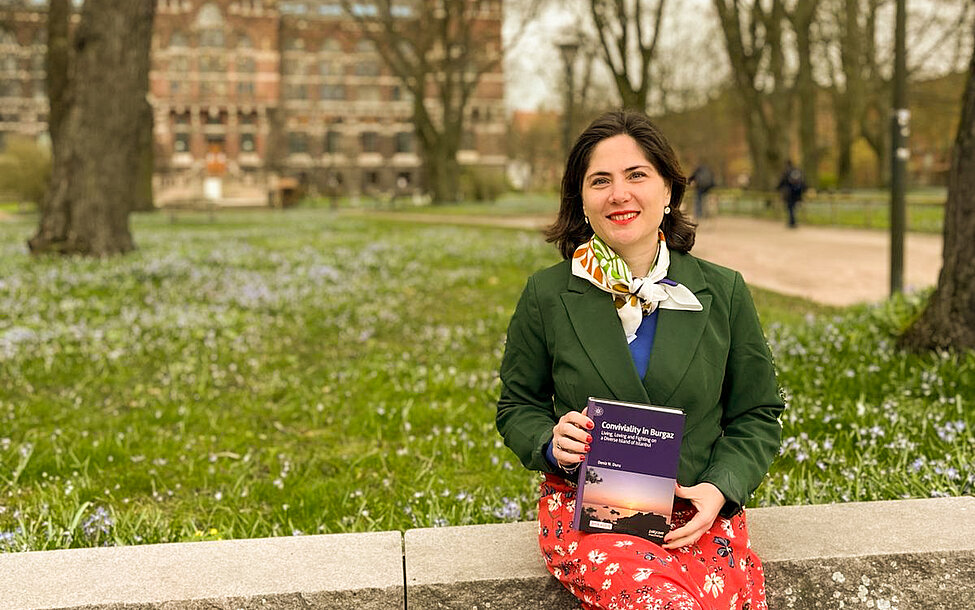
627	480
627	502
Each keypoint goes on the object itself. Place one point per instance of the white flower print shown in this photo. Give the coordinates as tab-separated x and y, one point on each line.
734	602
713	584
557	572
607	584
558	549
572	547
612	568
582	569
597	557
642	574
623	543
571	506
726	526
742	564
554	502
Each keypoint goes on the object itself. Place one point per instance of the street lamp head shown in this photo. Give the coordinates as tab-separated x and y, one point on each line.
569	48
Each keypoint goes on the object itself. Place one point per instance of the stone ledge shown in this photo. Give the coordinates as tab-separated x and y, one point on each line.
331	571
900	554
896	555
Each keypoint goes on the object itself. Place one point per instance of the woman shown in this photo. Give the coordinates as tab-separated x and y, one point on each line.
631	316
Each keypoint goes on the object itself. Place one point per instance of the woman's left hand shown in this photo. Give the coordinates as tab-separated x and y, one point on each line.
708	500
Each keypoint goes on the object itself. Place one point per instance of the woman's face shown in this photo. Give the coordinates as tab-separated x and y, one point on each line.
624	198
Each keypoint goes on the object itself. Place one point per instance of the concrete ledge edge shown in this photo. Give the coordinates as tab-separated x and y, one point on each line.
892	554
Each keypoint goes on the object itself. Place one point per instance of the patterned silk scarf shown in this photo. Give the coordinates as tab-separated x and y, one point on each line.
634	297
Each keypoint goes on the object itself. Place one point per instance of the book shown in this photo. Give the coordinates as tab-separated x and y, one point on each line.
627	481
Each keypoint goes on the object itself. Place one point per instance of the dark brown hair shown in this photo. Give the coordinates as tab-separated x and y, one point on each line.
570	229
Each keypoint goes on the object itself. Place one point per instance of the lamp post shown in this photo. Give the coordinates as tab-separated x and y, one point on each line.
568	49
899	129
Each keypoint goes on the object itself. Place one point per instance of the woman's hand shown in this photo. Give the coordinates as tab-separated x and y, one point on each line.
708	500
571	438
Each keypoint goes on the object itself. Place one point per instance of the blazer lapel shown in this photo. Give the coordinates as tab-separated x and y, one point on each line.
678	333
594	320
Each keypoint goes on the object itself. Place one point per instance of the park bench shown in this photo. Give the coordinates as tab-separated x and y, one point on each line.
199	204
882	555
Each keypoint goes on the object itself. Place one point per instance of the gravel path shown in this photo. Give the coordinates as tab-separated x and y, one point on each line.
833	266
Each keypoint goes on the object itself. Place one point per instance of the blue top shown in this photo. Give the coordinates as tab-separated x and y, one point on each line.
640	349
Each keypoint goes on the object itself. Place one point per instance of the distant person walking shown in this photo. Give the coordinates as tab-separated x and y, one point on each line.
703	181
792	185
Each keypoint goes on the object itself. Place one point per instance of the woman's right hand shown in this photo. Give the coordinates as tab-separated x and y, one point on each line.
571	438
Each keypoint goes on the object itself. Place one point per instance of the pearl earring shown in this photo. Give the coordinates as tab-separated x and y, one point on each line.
667	210
587	219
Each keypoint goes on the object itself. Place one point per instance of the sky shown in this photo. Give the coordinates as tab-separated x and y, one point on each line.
533	67
692	44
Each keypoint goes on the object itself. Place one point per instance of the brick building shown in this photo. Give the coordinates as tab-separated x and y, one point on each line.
256	89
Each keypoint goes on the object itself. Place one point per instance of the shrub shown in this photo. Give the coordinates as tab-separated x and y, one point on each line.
480	184
25	169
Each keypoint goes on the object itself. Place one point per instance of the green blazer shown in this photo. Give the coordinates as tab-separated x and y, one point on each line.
565	343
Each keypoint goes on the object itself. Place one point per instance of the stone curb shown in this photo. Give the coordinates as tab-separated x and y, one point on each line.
332	571
883	555
898	554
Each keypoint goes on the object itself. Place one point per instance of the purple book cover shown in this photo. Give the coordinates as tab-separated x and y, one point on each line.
626	483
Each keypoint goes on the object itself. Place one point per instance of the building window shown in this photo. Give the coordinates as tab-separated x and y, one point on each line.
245	89
248	119
331	92
296	91
246	65
369	141
178	40
244	41
297	142
9	88
404	142
364	10
212	63
328	68
401	10
333	142
247	142
212	39
367	68
181	143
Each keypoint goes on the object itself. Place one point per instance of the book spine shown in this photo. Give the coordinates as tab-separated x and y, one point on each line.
580	487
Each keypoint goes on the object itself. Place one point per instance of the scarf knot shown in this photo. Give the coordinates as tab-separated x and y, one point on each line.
634	298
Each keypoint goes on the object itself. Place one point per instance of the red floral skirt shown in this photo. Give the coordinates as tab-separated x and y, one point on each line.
618	571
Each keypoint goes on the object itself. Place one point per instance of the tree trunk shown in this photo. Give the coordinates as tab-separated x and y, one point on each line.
142	196
843	119
802	19
948	321
97	167
766	109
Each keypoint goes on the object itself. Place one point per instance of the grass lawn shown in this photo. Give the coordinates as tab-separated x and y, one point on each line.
280	373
